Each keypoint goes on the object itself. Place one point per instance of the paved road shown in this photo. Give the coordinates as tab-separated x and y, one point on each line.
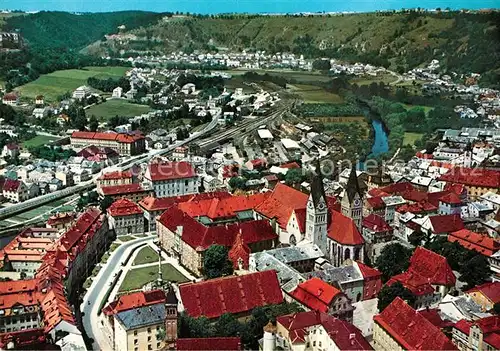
97	291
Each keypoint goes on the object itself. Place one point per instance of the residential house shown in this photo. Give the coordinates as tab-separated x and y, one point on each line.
377	234
61	221
486	295
125	217
171	179
313	330
10	150
400	327
15	190
482	334
478	181
10	99
317	295
134	192
115	178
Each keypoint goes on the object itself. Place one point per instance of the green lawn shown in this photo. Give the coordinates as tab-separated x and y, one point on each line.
125	238
426	108
146	255
137	278
312	94
38	141
410	138
115	107
367	80
55	84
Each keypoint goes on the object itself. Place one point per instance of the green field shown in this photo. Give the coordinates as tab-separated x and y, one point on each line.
426	108
39	140
146	255
410	138
298	76
55	84
116	107
137	278
367	80
312	94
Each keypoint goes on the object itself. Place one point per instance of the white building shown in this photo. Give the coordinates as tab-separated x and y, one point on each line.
81	92
125	217
171	178
117	93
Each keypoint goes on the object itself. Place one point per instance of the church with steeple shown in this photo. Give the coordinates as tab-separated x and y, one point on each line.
352	202
317	213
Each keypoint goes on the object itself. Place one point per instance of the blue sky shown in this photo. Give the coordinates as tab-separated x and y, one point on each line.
217	6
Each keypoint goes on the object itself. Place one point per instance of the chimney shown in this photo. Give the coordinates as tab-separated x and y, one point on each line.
179	229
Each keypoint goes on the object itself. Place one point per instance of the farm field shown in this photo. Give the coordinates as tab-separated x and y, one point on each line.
410	138
57	83
313	94
39	140
115	107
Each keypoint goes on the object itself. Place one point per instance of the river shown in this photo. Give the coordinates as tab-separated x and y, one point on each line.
380	141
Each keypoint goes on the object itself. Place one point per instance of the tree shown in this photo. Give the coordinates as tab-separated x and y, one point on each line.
189	327
475	271
105	203
321	65
496	308
227	325
237	183
388	293
394	259
93	124
294	176
216	262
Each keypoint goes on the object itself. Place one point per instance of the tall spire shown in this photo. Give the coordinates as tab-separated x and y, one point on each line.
317	187
352	187
159	279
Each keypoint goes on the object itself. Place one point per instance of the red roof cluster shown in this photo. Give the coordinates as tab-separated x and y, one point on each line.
208	344
151	203
98	154
490	290
470	240
367	271
343	230
61	218
134	300
490	327
282	202
200	237
234	294
376	202
159	171
479	177
123	189
23	338
451	198
315	294
345	335
116	175
376	223
119	137
124	207
421	207
416	283
410	329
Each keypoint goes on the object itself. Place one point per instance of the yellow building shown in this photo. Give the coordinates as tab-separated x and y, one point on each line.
486	295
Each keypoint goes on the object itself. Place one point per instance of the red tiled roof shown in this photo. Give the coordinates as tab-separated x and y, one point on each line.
315	294
290	165
11	185
367	271
10	97
410	329
458	189
151	203
12	146
281	204
58	218
201	237
490	327
481	243
206	344
432	266
419	207
122	189
376	202
345	335
446	223
451	198
376	223
490	290
414	282
479	177
463	325
134	300
119	137
234	294
397	188
169	171
124	207
343	230
238	251
23	338
224	207
432	315
377	192
116	175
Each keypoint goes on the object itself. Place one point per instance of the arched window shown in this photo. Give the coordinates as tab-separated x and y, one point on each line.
357	252
292	240
347	254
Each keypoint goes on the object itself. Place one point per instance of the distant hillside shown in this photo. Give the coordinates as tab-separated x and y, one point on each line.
47	30
463	42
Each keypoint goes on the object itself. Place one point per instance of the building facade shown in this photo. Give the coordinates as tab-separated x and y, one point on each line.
124	144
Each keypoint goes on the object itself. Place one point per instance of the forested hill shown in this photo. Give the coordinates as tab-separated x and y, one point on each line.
48	30
462	41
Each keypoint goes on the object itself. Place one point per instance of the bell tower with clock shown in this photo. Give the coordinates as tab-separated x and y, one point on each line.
317	213
352	202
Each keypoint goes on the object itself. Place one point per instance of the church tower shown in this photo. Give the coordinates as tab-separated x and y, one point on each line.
352	202
317	213
468	155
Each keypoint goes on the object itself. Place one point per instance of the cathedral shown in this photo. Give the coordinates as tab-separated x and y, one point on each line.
336	233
